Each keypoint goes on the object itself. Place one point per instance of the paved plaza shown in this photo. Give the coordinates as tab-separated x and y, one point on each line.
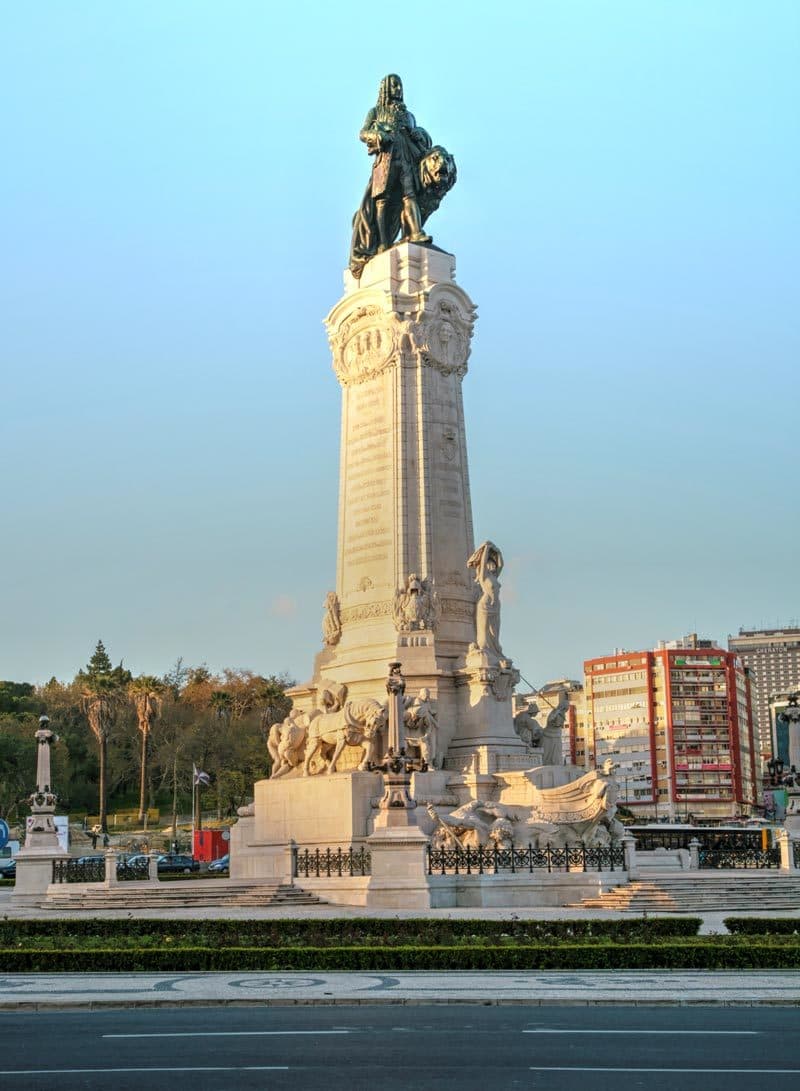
576	987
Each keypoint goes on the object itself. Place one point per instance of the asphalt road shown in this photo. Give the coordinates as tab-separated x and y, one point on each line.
387	1047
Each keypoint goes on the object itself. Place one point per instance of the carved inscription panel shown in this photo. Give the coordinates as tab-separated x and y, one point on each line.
367	528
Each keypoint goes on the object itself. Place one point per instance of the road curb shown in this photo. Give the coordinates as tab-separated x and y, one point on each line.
555	1002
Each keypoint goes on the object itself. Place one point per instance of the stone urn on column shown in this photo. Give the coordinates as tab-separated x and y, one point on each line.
41	849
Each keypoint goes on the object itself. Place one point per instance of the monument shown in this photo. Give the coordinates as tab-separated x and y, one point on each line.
412	589
41	849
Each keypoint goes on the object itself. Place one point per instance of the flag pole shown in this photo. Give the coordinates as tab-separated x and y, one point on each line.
194	808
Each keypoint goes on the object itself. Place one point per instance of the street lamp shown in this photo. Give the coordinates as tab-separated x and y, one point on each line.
775	768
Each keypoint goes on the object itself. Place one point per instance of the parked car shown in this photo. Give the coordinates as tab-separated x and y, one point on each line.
174	862
140	863
8	869
139	860
96	859
222	864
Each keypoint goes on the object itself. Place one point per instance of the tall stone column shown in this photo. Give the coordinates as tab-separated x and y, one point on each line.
400	338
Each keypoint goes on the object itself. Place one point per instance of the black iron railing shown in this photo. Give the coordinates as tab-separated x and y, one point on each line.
740	858
710	837
491	861
71	871
796	851
316	863
127	872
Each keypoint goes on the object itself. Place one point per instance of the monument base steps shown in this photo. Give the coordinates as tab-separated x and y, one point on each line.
697	892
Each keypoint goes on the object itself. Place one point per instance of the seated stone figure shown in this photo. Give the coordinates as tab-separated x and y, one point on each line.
419	720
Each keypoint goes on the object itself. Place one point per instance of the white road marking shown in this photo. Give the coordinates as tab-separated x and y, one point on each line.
101	1071
705	1033
224	1033
710	1071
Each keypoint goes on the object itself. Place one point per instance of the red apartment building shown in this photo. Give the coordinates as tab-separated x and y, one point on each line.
678	723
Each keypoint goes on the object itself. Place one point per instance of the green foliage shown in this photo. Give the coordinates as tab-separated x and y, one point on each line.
99	677
343	932
700	953
219	722
382	944
18	699
17	763
763	926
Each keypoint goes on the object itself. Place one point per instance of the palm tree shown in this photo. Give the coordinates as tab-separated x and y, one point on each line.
145	692
99	702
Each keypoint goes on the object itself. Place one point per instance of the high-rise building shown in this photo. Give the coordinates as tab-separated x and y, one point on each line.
773	656
677	722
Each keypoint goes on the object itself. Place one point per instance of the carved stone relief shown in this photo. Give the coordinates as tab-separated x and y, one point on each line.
416	605
442	336
363	345
331	621
458	609
368	611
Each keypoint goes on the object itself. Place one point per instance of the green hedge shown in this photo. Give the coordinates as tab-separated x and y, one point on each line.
712	953
763	926
365	931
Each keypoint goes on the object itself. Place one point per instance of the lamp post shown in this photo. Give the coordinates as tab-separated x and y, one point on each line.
775	769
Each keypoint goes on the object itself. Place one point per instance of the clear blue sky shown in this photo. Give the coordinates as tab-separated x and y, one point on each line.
175	201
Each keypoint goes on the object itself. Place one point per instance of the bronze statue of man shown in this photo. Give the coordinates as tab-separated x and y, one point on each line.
408	180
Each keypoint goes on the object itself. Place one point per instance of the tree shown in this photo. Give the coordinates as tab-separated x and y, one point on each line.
102	689
146	694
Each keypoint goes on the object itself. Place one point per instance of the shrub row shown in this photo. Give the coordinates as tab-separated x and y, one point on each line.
299	932
763	926
712	954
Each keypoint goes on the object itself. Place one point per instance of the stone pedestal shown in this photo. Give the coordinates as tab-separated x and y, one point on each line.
399	877
399	849
400	339
322	811
35	872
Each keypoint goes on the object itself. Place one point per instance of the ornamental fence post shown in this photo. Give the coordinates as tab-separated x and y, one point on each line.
111	867
694	854
629	855
786	846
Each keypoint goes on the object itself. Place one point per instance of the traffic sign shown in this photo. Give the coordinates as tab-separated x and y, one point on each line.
5	833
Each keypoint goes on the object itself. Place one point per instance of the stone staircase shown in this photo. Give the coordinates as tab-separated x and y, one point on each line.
702	892
179	895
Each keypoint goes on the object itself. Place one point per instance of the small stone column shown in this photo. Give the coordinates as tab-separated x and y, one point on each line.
786	846
111	879
152	867
694	854
288	861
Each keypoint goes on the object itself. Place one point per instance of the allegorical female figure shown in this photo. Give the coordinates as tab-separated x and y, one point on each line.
487	562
